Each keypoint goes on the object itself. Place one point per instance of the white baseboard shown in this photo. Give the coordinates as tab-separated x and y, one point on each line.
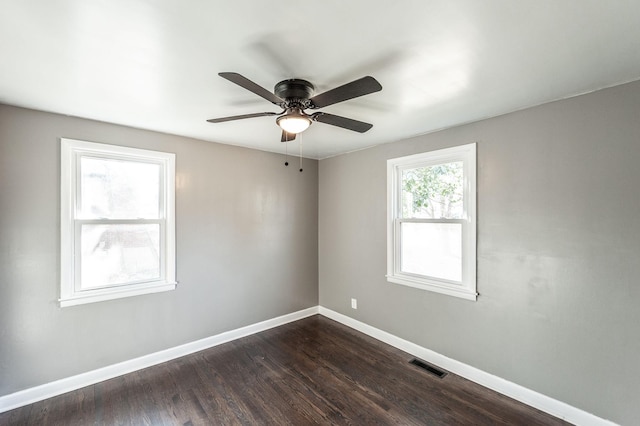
527	396
505	387
48	390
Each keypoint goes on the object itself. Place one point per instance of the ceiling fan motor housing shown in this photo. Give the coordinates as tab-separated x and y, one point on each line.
294	89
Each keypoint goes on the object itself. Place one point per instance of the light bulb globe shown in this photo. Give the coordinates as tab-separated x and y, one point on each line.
294	123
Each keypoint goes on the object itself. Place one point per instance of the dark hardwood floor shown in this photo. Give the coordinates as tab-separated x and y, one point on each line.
312	371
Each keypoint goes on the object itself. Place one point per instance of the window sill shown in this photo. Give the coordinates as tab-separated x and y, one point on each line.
434	286
92	297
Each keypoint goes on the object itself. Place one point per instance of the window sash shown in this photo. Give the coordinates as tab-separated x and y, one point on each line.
398	255
422	165
78	288
161	210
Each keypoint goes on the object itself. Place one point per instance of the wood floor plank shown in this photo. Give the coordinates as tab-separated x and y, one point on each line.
312	371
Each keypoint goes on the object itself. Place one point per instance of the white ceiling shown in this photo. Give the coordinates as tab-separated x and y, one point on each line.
153	64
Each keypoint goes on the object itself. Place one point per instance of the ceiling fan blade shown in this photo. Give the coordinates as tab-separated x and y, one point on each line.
244	82
240	117
356	88
345	123
287	137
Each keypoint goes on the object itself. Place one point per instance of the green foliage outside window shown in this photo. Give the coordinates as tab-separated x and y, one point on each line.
433	192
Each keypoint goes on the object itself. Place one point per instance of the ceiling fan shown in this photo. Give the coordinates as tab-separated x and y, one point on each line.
295	96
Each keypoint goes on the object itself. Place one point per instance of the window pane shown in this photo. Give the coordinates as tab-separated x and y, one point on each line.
432	249
119	254
116	189
433	192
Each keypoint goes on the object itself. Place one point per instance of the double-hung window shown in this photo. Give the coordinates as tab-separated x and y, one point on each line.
431	225
117	222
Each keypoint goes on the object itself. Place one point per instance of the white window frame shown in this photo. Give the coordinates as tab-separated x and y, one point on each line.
70	289
466	288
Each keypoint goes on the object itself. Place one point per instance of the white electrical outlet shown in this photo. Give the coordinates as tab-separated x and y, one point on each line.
354	303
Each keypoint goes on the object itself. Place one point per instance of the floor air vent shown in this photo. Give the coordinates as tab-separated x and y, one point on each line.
430	368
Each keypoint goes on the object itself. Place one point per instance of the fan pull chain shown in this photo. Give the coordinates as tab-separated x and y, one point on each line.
286	153
300	134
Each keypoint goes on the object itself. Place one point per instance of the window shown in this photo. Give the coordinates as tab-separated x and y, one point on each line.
117	222
431	235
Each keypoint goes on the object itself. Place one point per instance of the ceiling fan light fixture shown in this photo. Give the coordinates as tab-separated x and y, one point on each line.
294	122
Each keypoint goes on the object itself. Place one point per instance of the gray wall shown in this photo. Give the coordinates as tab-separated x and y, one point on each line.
558	251
247	250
